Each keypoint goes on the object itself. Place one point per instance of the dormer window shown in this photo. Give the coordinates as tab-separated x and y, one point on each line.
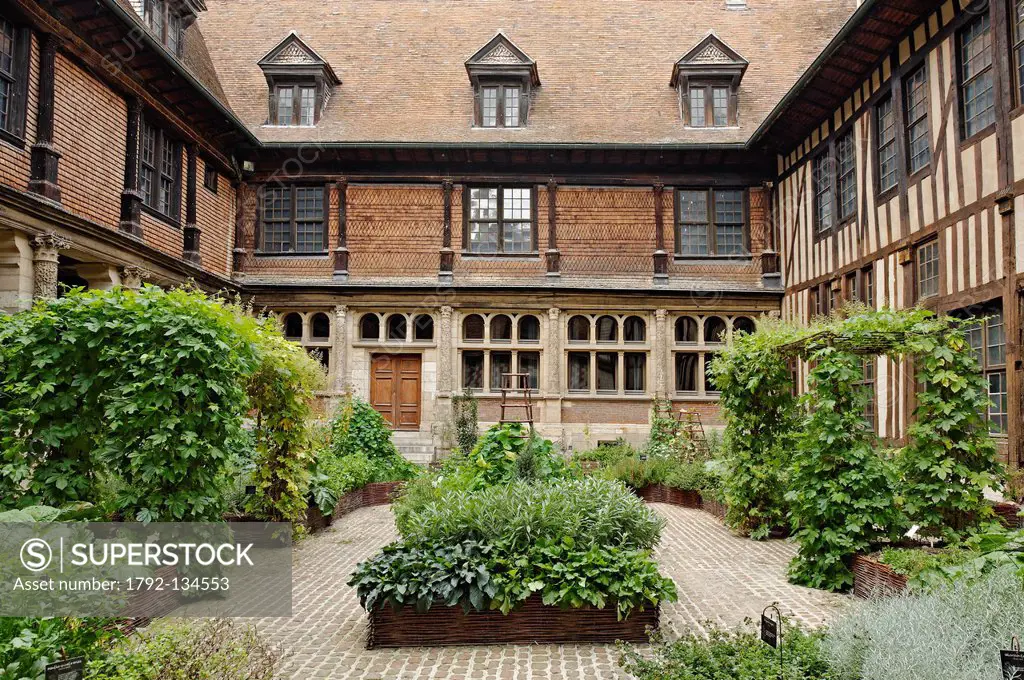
502	76
167	19
300	83
708	78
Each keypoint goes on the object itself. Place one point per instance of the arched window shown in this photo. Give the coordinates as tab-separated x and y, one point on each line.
634	329
686	329
529	328
473	327
579	329
423	327
369	327
397	327
321	326
293	326
501	328
607	329
714	329
743	323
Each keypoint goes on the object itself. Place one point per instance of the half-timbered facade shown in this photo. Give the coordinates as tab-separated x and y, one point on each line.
596	194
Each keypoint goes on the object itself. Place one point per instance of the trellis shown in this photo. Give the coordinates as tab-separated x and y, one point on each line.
842	495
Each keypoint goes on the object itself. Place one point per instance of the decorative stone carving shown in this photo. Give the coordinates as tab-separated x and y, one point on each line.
554	351
444	352
132	276
712	54
501	54
45	258
340	350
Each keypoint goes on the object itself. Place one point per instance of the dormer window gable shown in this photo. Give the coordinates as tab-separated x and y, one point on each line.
707	79
168	19
503	78
300	83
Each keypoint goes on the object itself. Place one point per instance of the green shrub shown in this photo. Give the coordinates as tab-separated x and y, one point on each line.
735	655
636	473
606	455
692	477
512	451
953	633
357	427
464	414
980	555
913	562
842	493
190	650
592	511
27	645
147	383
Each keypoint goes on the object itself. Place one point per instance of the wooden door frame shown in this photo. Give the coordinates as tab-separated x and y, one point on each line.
396	407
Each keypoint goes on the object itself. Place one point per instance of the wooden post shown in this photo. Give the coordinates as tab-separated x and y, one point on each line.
190	249
660	256
447	255
341	251
553	256
131	197
45	156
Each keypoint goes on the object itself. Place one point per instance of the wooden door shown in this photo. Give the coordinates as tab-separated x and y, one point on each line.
395	389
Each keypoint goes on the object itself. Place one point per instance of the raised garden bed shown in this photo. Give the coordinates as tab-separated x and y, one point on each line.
873	579
376	493
660	493
1009	514
530	623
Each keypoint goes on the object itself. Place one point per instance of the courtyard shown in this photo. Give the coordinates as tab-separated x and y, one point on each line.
721	579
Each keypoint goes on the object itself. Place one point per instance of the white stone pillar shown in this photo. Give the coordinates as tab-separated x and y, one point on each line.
101	276
16	271
339	351
659	347
554	352
45	263
445	377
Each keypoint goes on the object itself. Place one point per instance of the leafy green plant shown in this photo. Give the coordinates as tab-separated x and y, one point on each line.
592	511
913	562
981	555
485	576
148	383
465	409
27	645
606	455
761	417
509	452
730	655
281	391
950	459
190	650
842	492
955	632
636	473
357	427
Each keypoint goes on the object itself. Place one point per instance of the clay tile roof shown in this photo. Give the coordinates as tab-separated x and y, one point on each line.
605	65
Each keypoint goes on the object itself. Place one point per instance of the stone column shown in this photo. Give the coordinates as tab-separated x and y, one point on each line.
445	377
554	352
659	345
132	276
44	263
16	270
101	276
340	348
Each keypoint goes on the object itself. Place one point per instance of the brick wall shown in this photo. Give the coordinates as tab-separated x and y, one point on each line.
90	124
14	162
606	229
394	230
215	215
605	411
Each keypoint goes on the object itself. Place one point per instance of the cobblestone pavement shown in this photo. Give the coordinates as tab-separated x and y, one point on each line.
721	578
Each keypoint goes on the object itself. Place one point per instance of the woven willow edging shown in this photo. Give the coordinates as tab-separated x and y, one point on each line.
377	493
530	623
872	579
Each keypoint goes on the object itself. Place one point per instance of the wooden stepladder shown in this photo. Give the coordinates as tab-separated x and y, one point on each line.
691	427
516	399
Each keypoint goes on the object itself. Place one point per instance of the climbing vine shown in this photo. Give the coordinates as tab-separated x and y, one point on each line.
760	412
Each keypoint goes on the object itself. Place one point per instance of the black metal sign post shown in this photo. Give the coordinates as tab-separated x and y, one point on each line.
69	669
1013	661
771	631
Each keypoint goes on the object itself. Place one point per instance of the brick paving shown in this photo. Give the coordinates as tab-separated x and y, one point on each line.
721	578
